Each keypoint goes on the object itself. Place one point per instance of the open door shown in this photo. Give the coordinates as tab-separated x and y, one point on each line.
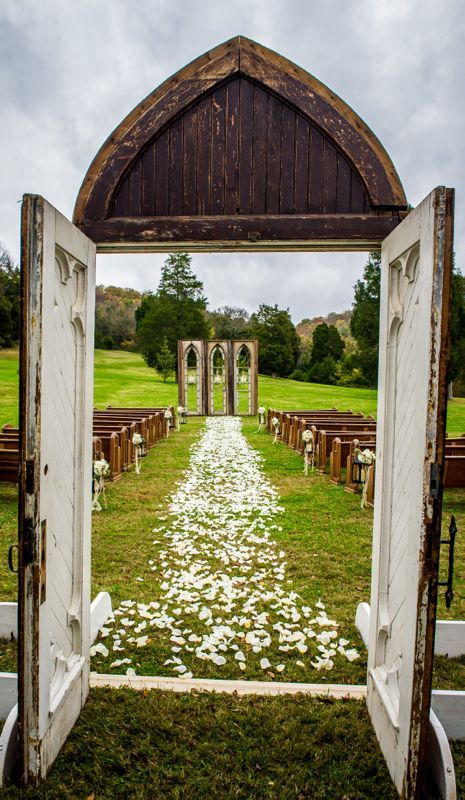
414	327
56	385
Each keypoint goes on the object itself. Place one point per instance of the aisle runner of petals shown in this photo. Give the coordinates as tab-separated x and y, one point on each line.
223	576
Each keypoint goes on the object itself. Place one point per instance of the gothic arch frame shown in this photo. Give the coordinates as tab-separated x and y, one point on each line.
353	199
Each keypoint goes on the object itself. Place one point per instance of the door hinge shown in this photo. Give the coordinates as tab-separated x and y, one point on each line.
28	541
434	481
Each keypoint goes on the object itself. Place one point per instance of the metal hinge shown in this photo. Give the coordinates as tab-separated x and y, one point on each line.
434	481
28	541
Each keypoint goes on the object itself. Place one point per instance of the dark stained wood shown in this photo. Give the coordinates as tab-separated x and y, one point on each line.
302	143
259	146
286	188
315	193
231	163
240	132
148	183
203	164
246	232
217	150
175	193
241	150
245	147
273	159
162	182
190	162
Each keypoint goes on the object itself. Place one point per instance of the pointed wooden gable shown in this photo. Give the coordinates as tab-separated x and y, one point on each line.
240	149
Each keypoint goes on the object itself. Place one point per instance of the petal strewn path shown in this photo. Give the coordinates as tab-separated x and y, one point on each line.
222	575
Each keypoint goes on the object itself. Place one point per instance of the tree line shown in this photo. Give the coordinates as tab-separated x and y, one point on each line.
152	323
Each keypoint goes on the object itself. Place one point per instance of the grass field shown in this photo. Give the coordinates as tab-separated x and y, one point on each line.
122	378
312	749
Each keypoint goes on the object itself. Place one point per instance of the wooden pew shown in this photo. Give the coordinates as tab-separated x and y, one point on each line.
365	444
9	465
454	472
124	435
325	438
340	451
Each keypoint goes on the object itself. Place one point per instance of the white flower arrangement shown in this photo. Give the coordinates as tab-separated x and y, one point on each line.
191	380
261	417
366	456
168	414
243	379
307	437
181	410
101	469
138	440
217	379
275	422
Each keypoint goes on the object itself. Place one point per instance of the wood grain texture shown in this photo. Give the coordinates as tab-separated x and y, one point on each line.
240	131
240	150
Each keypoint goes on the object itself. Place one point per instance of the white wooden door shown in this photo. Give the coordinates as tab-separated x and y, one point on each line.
56	385
414	325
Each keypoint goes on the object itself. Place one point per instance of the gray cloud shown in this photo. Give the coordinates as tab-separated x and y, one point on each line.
72	71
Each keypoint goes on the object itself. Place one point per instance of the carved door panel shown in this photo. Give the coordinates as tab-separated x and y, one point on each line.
56	368
414	325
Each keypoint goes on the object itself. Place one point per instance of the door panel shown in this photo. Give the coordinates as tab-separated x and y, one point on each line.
414	325
56	387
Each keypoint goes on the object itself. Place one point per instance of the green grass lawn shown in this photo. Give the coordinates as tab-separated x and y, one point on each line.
327	539
123	378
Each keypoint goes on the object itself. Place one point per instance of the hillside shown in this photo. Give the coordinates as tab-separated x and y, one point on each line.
306	327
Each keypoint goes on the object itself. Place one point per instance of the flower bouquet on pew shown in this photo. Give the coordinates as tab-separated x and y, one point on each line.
261	418
182	416
275	426
168	415
138	442
100	471
309	450
367	459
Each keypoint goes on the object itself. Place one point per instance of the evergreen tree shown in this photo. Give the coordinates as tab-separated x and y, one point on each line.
176	311
457	333
166	361
278	341
364	323
9	299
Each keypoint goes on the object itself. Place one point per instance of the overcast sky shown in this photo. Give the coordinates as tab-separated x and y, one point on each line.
70	72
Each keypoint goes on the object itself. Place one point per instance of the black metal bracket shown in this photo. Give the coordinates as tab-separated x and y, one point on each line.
449	595
10	557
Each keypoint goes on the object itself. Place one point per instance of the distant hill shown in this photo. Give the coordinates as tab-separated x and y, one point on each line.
306	327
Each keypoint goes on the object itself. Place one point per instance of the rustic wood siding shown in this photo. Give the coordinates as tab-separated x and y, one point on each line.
239	150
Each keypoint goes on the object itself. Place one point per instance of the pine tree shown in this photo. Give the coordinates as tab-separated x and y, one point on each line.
176	311
166	361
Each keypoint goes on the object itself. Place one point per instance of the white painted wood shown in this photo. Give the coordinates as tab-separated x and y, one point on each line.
272	688
57	359
362	621
9	745
8	692
8	620
449	706
100	610
450	638
440	759
416	266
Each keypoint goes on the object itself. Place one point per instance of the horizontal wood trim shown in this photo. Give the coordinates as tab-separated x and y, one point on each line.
298	231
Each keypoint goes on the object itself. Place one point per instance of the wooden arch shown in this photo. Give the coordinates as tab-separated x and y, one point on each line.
241	149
